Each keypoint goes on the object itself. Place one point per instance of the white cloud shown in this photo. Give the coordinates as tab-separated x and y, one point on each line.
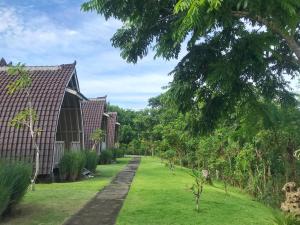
38	38
143	84
40	33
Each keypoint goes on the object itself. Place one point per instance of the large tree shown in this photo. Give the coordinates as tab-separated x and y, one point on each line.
237	50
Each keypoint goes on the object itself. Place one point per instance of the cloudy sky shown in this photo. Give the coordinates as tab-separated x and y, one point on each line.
52	32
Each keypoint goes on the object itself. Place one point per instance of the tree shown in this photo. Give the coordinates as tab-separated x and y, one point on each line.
197	187
97	137
237	50
28	116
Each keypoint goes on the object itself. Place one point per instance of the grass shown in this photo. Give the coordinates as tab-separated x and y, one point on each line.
157	197
52	204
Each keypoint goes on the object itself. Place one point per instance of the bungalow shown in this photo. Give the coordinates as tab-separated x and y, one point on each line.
95	117
112	130
56	97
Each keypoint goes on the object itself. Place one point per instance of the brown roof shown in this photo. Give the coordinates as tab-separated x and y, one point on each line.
3	62
111	129
92	114
47	93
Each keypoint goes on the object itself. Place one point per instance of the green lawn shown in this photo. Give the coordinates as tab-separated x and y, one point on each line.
157	197
51	204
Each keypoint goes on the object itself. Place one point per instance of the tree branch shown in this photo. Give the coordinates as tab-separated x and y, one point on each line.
290	40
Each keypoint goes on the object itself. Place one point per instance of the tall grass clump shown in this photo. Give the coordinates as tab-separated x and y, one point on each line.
285	219
91	160
14	181
106	157
71	165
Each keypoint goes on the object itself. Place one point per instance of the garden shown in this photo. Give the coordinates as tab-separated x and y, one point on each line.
158	196
53	203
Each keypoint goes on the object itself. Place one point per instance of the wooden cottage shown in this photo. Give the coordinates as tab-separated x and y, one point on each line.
112	130
95	117
56	98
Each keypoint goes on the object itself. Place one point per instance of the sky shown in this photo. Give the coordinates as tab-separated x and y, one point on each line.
54	32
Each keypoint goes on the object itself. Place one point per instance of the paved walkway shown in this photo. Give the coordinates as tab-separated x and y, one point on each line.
104	208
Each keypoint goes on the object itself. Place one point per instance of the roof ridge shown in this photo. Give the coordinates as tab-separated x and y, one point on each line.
39	68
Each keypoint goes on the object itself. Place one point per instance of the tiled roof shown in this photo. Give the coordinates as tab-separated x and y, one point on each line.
92	113
111	129
47	93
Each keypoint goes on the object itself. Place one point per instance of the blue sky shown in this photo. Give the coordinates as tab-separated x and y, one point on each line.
42	32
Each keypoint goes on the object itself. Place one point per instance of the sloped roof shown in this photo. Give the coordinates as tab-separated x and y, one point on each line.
111	129
3	62
92	114
47	94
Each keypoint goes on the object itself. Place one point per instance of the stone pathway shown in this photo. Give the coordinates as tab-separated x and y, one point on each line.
104	208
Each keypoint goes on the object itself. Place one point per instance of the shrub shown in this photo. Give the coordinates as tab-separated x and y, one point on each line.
4	198
91	160
71	165
118	153
14	181
106	157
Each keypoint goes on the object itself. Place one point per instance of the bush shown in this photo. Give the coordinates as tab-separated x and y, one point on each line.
14	181
4	198
91	160
118	153
106	157
71	165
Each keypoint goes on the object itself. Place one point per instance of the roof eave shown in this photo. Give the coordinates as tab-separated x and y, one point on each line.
76	93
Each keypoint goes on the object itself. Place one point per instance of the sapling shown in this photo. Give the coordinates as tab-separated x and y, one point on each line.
28	116
170	156
97	137
197	187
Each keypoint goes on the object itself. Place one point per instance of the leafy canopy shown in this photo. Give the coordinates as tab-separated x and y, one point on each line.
238	51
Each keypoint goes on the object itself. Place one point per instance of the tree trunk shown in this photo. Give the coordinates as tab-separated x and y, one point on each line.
293	45
37	155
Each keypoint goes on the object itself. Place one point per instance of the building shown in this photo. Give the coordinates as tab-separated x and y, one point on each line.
94	117
56	97
112	130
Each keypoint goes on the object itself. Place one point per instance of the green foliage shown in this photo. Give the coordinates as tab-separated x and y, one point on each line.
106	157
229	108
237	50
91	160
197	187
118	153
28	116
71	165
14	182
286	219
23	118
4	198
24	81
170	156
96	136
253	149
